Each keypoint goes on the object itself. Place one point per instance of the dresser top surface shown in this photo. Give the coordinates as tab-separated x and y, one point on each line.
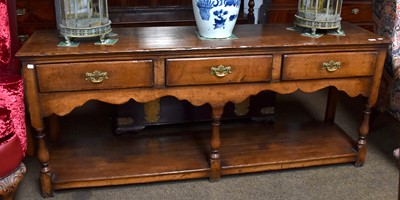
184	38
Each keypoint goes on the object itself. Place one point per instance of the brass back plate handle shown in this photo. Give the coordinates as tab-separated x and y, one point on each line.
355	11
23	38
221	71
331	66
20	11
96	76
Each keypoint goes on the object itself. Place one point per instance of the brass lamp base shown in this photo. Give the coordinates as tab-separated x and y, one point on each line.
68	33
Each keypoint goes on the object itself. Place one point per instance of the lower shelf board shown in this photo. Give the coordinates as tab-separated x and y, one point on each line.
176	152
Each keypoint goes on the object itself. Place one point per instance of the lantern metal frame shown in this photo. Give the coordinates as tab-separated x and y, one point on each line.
83	19
318	14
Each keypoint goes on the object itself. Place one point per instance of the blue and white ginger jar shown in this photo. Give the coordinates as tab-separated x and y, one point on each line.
216	18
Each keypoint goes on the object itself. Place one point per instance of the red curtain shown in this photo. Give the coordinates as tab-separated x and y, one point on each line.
9	43
11	83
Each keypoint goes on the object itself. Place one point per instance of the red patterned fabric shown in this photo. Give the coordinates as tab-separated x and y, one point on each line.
12	98
5	41
11	85
9	43
6	126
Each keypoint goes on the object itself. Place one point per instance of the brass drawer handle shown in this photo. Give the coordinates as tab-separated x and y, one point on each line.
221	71
331	66
96	76
23	38
20	12
355	11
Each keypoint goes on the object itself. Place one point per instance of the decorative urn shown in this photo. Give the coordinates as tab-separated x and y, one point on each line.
215	18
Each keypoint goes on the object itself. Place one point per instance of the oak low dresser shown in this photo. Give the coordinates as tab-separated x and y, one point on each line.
152	62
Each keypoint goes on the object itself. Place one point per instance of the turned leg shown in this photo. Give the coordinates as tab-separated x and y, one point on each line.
36	119
250	14
215	161
29	140
45	171
362	136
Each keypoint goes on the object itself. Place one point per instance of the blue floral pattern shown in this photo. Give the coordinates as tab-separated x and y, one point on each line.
221	15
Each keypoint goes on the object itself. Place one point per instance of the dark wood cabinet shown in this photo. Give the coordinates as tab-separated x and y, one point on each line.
34	15
358	12
277	11
156	12
40	14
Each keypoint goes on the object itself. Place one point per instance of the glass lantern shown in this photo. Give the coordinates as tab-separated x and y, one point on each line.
319	14
82	19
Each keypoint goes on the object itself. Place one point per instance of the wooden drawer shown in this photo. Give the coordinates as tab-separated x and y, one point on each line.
26	30
310	66
72	76
34	15
196	71
357	12
38	11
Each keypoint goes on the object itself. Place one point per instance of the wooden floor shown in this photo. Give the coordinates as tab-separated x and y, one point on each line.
174	152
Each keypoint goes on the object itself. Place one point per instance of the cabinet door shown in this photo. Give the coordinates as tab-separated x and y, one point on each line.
33	16
358	12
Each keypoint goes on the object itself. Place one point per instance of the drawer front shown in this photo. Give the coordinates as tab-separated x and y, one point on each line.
357	12
91	76
38	11
34	15
311	66
197	71
26	30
